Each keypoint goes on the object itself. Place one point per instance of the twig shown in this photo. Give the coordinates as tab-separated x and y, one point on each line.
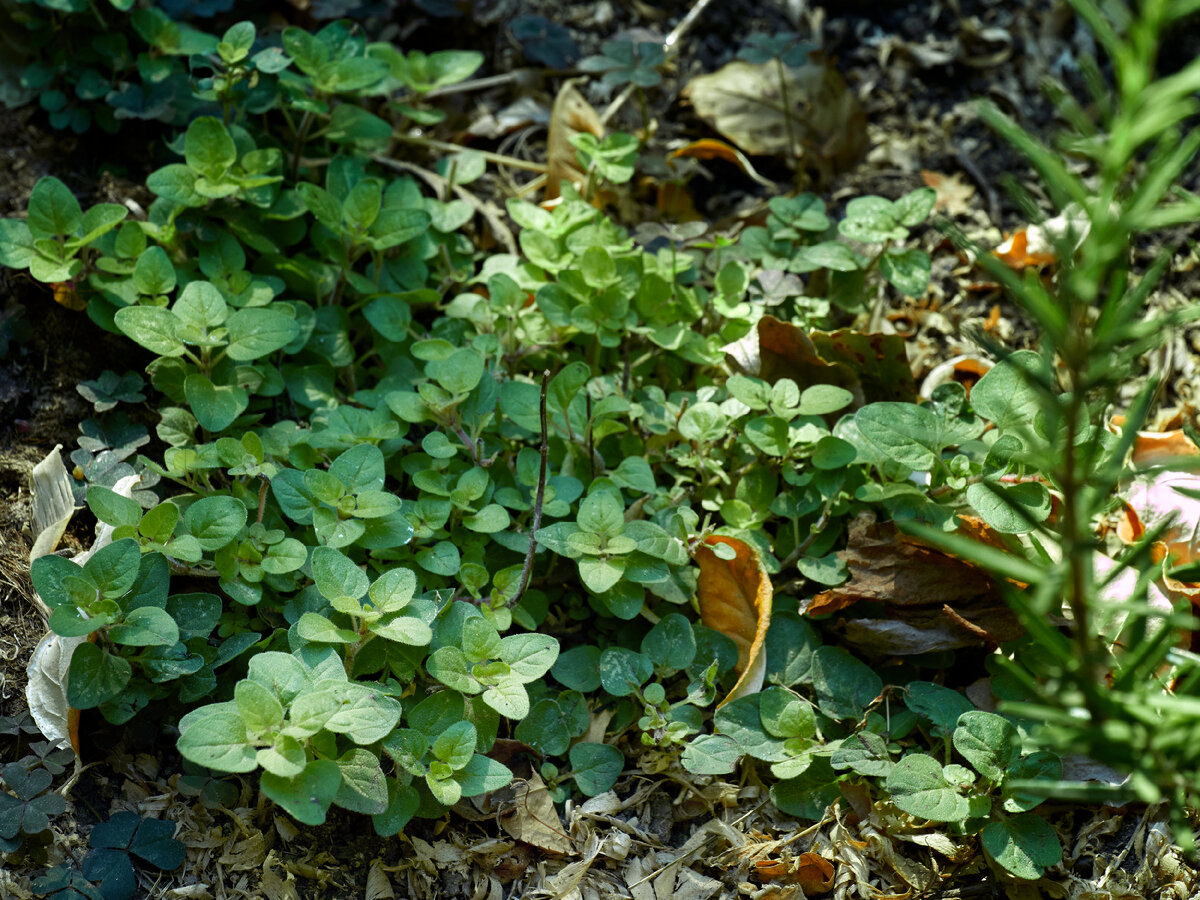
590	448
527	568
467	442
989	192
967	625
510	161
802	548
178	568
490	212
482	84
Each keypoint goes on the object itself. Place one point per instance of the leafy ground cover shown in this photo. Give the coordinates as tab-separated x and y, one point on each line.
615	526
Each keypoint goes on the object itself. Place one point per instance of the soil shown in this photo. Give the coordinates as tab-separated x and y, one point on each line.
917	67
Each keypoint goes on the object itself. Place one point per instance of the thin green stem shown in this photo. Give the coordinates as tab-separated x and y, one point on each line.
793	151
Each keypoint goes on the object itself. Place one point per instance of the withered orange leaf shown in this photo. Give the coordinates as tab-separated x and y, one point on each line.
770	869
814	873
1166	496
711	148
1155	448
675	202
65	294
735	599
1015	252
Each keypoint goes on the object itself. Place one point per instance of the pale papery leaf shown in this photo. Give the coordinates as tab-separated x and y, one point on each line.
378	885
953	193
53	505
46	690
743	101
571	115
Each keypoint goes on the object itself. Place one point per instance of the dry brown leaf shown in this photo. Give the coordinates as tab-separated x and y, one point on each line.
878	361
953	193
533	818
245	854
813	872
285	828
745	103
870	366
931	601
571	115
522	113
735	599
272	886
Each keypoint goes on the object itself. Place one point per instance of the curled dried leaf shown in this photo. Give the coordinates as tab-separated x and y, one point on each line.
711	148
735	599
1016	252
964	369
1170	448
570	115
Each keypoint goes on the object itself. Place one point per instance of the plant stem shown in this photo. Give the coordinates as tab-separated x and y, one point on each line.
1077	543
178	568
471	446
813	534
262	498
781	71
539	498
298	145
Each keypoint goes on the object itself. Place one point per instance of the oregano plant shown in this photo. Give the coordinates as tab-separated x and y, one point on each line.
439	496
